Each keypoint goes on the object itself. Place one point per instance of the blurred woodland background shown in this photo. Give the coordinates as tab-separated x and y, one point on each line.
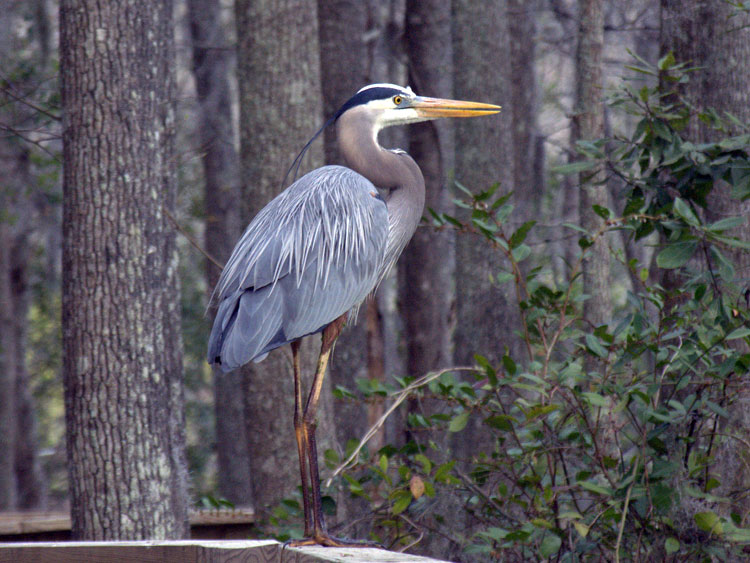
567	333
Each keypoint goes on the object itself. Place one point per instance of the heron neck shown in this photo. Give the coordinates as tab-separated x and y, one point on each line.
395	173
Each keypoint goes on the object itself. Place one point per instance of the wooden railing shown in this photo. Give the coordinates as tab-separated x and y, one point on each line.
43	537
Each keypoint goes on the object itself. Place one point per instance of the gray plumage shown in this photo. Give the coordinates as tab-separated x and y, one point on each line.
312	254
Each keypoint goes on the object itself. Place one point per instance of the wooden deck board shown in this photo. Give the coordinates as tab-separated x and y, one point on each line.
191	551
224	524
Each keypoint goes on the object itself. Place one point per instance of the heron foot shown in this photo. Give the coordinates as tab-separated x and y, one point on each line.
329	541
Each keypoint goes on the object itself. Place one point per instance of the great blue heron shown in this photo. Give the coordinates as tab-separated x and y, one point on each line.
315	252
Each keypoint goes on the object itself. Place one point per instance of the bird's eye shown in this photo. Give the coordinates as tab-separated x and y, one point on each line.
397	100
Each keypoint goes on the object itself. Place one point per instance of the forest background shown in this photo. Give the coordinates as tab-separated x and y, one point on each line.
566	335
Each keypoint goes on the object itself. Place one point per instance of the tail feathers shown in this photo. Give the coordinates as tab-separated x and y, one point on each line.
247	326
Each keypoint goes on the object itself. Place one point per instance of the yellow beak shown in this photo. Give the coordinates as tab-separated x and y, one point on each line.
437	107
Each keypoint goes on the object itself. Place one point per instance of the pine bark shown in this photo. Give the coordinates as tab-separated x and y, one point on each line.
527	146
30	480
121	328
484	155
426	269
715	37
221	194
8	486
343	61
280	108
486	314
588	124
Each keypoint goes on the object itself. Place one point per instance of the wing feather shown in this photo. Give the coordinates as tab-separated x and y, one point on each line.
315	252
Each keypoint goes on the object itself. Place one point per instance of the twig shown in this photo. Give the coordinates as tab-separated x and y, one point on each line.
400	398
416	541
191	239
7	92
625	511
37	143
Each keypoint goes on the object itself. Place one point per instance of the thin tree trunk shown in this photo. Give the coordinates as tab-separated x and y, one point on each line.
8	488
715	37
588	124
385	62
121	327
484	155
343	71
32	486
486	314
528	176
221	194
280	108
426	294
25	487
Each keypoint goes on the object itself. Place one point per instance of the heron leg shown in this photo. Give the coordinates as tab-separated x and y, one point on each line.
319	535
330	333
301	436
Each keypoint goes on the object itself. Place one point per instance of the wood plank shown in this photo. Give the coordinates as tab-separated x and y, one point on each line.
188	551
55	526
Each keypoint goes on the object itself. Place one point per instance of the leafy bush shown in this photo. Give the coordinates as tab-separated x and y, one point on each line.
604	442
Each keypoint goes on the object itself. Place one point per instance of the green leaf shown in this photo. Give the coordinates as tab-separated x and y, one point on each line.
425	461
402	502
671	545
602	212
661	129
676	254
502	422
574	167
452	220
458	422
509	364
464	189
504	277
665	63
740	332
520	235
683	210
581	528
726	268
521	253
442	473
550	545
596	488
384	463
331	458
595	345
595	399
726	224
709	522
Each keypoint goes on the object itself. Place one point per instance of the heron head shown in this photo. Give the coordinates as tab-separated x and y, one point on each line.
389	104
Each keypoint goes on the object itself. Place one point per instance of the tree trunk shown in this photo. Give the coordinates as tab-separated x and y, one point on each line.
22	485
280	108
528	163
343	71
32	486
211	67
121	326
715	37
588	124
484	155
427	267
486	314
8	490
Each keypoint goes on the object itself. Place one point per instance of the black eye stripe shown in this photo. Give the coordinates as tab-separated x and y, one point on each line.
361	98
